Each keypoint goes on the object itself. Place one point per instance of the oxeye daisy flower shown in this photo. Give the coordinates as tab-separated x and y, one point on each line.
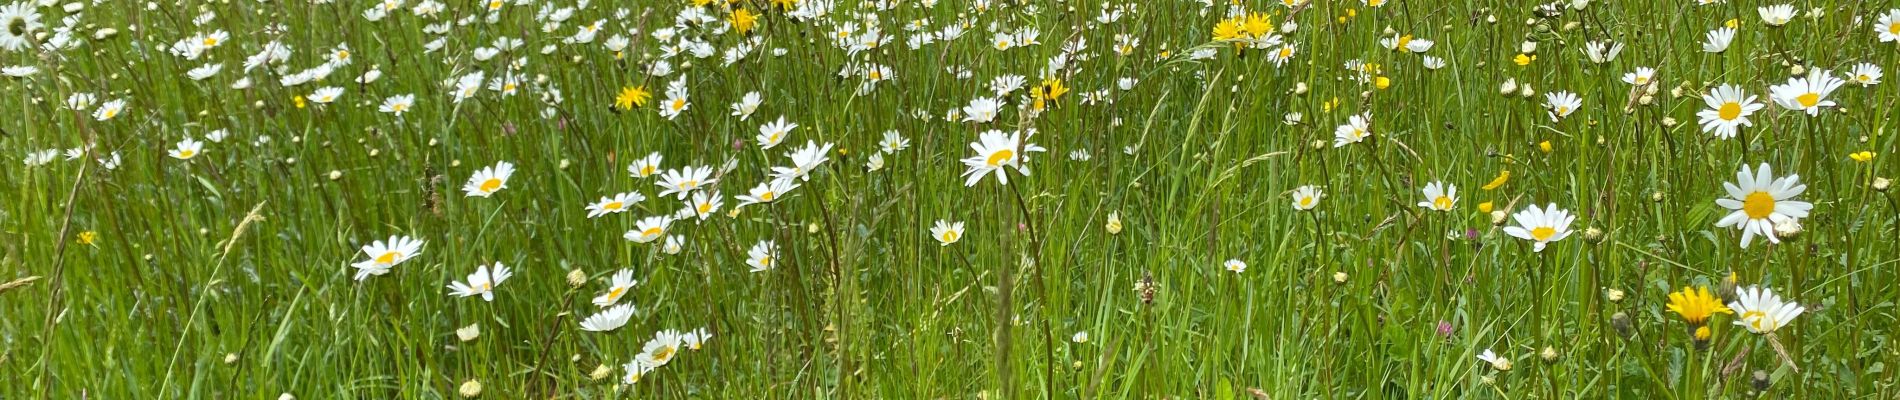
489	180
325	95
1776	15
893	142
1808	93
398	104
649	229
1236	266
995	153
1728	111
1759	201
1561	104
771	134
618	286
645	167
1306	197
696	338
1695	305
1601	52
1865	74
1717	41
660	350
704	204
676	99
1355	130
109	110
982	110
1541	225
746	106
1887	27
762	256
1759	310
482	282
767	192
682	182
609	319
614	204
1642	76
187	149
947	232
1496	362
18	22
1281	55
635	371
1440	196
384	254
804	161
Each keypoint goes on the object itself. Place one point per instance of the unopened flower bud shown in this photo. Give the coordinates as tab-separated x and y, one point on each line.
576	278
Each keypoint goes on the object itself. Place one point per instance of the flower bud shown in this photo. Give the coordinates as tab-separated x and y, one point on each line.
576	278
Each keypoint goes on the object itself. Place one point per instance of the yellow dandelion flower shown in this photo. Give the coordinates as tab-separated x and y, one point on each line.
743	21
631	97
1695	304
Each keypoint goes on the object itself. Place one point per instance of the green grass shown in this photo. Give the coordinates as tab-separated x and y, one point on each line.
180	297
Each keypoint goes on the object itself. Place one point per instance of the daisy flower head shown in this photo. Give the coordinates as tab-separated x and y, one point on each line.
1759	201
646	166
1541	225
617	288
111	109
18	22
482	282
747	105
1865	74
489	180
1728	111
982	110
1306	197
649	229
1643	76
947	232
1235	265
1440	196
1887	27
614	204
1776	15
398	104
893	142
773	133
695	339
767	192
1759	310
1496	362
996	152
660	350
682	182
1561	104
804	160
762	256
1601	52
1717	41
1355	130
1694	304
1808	93
609	319
325	95
187	149
704	204
384	254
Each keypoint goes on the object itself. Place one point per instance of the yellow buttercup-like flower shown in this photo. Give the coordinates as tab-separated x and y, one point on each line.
1695	304
1503	176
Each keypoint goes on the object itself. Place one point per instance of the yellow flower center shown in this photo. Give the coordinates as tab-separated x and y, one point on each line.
664	353
949	236
1894	28
186	153
1442	202
491	185
705	208
1758	205
1000	157
1729	111
765	261
211	41
767	196
388	258
1543	233
1306	201
651	232
112	113
646	170
613	206
615	293
1561	110
1809	99
679	104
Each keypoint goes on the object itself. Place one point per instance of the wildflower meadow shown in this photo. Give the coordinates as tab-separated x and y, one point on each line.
948	199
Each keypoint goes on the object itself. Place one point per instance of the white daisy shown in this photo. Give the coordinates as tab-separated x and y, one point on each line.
1759	310
1542	225
1759	201
482	282
384	254
489	180
947	232
1440	196
609	319
1808	93
1728	111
